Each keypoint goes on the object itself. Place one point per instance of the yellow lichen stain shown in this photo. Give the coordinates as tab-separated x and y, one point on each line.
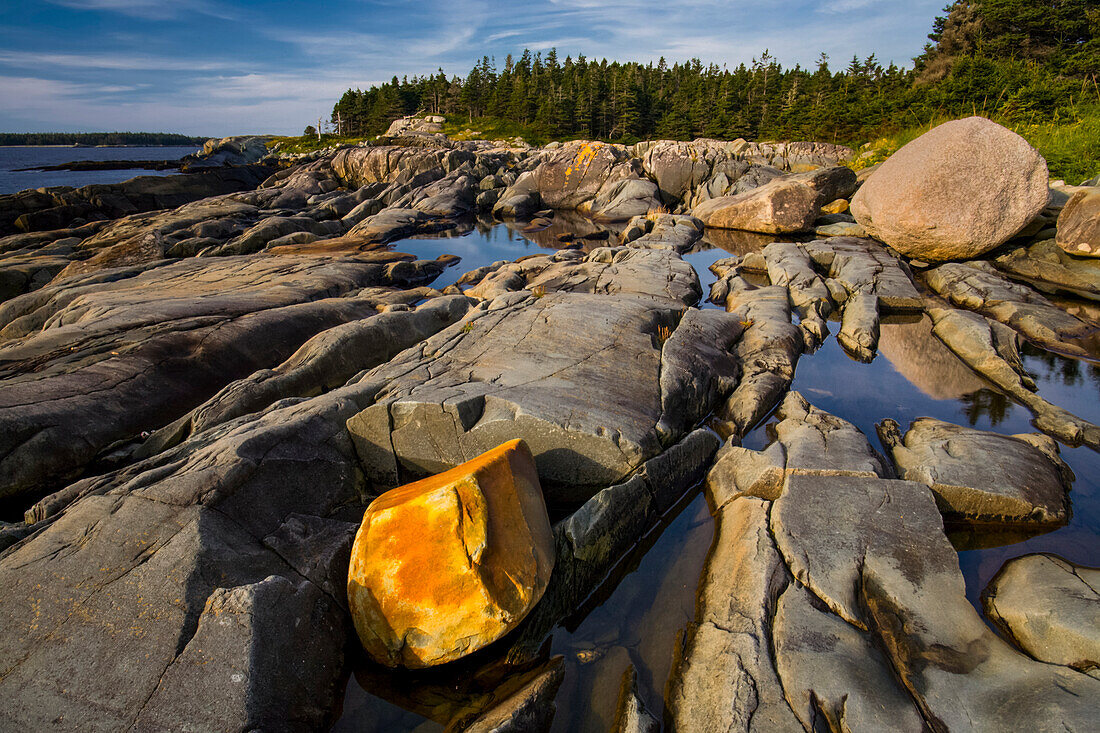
584	158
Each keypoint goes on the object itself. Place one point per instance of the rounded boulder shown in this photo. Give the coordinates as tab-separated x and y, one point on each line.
445	566
954	193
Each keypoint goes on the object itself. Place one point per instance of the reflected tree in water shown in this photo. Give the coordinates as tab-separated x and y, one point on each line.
1063	369
986	402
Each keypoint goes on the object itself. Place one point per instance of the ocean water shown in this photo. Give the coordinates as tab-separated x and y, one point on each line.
12	158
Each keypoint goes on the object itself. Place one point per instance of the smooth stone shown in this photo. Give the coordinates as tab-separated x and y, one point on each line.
725	678
1050	269
888	567
551	370
631	715
1079	224
1049	608
956	192
780	206
840	230
981	287
445	566
833	670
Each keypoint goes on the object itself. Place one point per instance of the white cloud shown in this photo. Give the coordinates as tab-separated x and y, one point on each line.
151	9
227	105
846	6
117	62
297	72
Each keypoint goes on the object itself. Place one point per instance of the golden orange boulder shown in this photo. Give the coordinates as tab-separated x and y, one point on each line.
447	565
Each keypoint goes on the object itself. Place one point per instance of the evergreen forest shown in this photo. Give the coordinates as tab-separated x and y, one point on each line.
1025	61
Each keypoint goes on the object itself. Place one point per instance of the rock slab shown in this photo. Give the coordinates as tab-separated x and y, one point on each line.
978	476
1050	608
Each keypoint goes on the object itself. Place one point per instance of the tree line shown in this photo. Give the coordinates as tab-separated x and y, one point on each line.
1019	59
150	139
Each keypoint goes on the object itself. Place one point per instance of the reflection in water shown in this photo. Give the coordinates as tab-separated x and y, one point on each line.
986	403
448	697
976	537
1058	368
633	619
572	225
737	242
637	624
923	359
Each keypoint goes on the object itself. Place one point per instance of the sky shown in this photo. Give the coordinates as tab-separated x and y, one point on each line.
231	67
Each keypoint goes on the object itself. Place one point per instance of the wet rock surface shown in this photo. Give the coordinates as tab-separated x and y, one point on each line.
202	395
980	287
1048	268
991	350
879	590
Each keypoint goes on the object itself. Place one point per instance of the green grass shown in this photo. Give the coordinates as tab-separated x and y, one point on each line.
1070	146
491	128
310	143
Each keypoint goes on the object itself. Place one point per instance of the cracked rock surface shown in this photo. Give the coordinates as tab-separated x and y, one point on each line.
198	403
590	416
108	355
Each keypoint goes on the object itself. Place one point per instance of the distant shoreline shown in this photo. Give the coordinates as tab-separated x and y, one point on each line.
173	145
99	139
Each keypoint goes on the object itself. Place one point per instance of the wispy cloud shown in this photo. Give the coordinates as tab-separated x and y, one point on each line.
164	64
118	62
846	6
151	9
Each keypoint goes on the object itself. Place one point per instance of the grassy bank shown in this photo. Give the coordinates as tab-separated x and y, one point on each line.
1071	146
491	128
310	143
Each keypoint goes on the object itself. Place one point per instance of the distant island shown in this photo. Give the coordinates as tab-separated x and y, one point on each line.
144	139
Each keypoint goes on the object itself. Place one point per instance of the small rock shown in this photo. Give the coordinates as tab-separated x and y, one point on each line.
1078	230
1050	608
841	229
978	476
780	206
631	715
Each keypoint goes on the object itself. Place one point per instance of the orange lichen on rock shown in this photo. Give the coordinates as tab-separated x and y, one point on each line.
444	566
584	158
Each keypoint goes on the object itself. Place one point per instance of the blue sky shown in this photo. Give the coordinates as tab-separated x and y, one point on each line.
226	67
